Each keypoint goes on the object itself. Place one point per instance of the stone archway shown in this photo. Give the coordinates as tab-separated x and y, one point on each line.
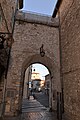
29	35
50	65
54	87
44	61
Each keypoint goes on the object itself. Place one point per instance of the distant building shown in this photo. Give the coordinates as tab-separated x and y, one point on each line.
47	84
35	75
37	83
42	83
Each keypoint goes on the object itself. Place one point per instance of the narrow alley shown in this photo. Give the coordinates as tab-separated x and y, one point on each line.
45	37
34	110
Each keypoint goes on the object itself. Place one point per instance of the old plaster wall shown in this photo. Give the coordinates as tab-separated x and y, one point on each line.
7	8
7	14
70	47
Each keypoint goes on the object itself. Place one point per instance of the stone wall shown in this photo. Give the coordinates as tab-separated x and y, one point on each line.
7	14
28	38
70	47
7	10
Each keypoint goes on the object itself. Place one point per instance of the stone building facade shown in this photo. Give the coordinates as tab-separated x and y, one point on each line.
70	56
30	32
29	37
6	26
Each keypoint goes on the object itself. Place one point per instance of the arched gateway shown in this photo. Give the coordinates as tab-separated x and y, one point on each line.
31	32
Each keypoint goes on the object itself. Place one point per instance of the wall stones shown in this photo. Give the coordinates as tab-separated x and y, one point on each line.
70	37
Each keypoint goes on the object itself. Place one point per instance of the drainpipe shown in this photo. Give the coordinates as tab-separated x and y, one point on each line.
61	75
56	10
51	96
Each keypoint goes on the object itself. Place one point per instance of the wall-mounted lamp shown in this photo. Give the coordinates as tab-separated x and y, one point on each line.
42	52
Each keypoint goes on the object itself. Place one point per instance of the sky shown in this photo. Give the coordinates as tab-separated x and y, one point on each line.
41	69
45	7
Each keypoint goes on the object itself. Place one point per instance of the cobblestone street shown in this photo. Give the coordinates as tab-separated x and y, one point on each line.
33	110
39	116
34	116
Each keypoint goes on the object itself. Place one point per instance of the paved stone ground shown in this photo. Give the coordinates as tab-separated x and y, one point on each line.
32	105
42	98
34	116
34	110
39	116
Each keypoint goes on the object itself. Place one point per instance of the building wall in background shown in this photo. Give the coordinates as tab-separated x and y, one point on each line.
28	39
7	14
35	75
70	47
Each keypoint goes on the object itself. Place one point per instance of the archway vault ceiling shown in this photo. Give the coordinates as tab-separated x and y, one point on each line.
46	61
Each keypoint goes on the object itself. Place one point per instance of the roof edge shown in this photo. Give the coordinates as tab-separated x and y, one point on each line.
56	8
